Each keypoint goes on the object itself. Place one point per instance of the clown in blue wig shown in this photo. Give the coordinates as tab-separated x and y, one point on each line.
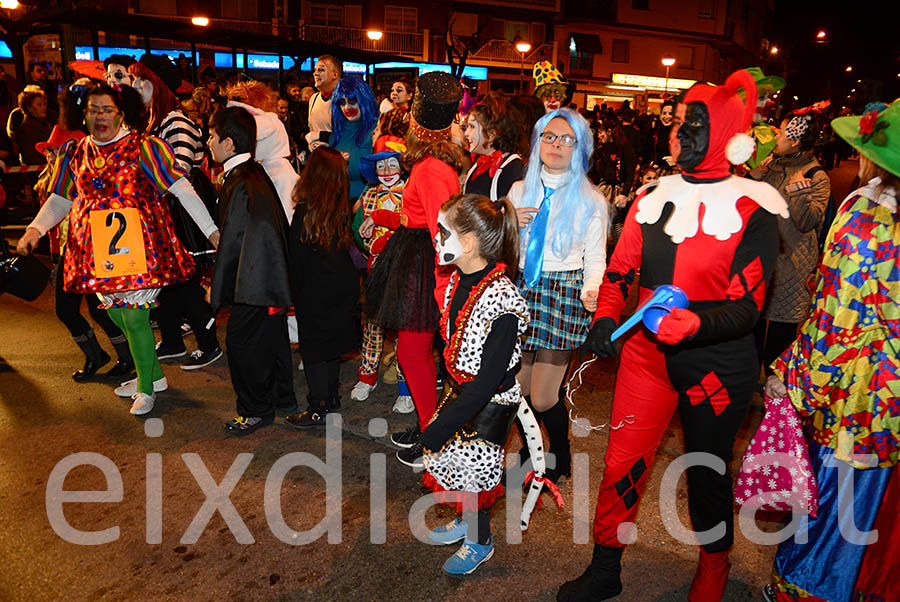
563	227
353	117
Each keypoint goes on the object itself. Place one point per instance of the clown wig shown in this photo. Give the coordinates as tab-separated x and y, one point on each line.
356	89
577	196
163	100
253	93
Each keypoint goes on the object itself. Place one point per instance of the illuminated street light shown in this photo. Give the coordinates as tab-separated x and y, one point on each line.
668	61
9	4
523	46
820	35
848	69
773	50
374	34
200	21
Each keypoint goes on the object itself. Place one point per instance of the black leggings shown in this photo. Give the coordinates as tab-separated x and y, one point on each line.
68	310
186	300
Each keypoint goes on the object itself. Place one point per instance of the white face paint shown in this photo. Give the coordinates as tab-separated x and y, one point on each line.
117	75
388	171
145	89
447	243
350	109
474	134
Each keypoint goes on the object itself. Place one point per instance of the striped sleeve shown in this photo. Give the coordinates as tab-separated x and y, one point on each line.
158	163
184	137
62	181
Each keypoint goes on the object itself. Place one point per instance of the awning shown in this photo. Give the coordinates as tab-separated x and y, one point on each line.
587	42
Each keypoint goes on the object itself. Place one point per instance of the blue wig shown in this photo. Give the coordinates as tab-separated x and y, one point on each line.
577	197
356	89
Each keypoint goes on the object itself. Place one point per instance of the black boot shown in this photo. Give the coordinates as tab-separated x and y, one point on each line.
556	421
600	581
124	368
94	357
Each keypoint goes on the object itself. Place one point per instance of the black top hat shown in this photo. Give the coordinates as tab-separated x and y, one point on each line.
164	68
436	100
118	59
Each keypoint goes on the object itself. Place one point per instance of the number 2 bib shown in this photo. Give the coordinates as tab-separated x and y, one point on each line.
118	242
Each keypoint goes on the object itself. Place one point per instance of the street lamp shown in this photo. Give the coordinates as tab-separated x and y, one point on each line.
521	47
9	4
848	69
200	21
820	35
774	50
374	35
668	61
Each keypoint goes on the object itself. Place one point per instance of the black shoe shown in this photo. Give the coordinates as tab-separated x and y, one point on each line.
310	418
201	359
122	369
407	438
600	581
335	403
165	353
243	425
94	358
412	456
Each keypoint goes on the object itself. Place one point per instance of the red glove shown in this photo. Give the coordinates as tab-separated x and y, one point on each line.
677	326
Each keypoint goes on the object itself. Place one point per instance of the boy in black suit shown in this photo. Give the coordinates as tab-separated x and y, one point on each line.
251	273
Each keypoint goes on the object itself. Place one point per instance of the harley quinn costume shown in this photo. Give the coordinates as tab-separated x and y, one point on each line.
714	236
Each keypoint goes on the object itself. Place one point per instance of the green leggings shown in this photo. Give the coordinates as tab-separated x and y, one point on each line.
135	323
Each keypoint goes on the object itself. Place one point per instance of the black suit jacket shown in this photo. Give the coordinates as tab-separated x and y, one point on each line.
252	260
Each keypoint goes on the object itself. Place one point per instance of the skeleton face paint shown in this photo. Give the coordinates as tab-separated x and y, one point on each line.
474	134
388	171
117	75
689	140
447	242
350	108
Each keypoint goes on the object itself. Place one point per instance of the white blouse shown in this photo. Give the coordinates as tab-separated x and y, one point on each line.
588	254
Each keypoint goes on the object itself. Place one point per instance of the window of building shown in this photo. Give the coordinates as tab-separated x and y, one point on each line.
621	50
321	14
640	4
401	18
239	9
706	9
516	29
158	7
685	57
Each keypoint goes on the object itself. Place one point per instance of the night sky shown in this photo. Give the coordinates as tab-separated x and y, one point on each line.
864	35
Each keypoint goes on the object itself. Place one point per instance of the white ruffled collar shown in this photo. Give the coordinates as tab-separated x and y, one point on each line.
884	196
719	199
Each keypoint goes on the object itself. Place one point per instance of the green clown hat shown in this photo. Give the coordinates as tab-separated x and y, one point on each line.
875	135
766	84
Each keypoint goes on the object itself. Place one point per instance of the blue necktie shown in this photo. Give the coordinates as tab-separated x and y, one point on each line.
534	254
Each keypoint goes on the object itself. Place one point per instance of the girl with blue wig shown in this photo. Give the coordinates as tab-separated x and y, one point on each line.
353	117
563	227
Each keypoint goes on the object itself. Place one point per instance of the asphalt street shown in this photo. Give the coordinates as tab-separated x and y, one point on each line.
161	472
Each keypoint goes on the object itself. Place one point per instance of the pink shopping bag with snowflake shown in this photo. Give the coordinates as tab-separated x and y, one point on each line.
776	473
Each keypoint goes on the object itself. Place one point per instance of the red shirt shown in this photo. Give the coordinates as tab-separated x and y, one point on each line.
431	183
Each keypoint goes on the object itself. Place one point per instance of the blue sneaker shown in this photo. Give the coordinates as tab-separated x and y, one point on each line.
452	532
468	557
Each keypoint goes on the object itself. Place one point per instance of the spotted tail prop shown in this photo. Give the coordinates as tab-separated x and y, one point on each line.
535	444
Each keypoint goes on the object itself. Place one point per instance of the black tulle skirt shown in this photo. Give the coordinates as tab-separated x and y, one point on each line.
400	285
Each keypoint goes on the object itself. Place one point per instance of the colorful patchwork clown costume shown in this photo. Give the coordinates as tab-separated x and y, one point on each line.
382	202
713	235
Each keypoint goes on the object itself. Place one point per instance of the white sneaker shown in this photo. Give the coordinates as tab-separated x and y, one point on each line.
142	404
404	405
129	387
361	391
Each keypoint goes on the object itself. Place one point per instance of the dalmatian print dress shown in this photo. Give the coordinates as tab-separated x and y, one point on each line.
466	463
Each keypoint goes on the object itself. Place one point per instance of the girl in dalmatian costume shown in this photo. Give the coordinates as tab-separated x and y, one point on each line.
482	321
715	236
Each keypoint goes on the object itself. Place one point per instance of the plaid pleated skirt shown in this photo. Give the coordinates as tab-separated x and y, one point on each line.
558	319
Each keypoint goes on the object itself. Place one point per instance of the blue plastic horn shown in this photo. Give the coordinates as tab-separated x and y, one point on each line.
664	299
